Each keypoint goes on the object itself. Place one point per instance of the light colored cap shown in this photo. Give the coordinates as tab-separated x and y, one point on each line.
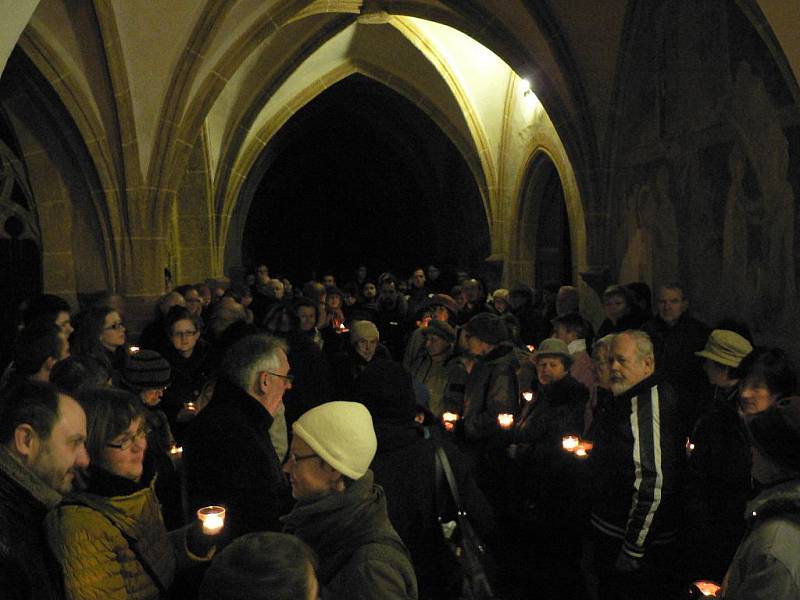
726	348
341	433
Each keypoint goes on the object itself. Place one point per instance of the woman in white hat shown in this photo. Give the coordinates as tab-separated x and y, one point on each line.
340	512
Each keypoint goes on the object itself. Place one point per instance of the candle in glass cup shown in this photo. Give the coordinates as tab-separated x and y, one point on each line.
176	451
531	347
528	396
449	419
505	420
570	443
582	451
190	406
133	349
212	518
707	588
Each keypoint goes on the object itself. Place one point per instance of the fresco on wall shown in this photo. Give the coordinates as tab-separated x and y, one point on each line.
706	188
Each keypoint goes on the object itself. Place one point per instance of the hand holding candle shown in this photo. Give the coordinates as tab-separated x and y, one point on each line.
505	420
709	589
213	519
570	442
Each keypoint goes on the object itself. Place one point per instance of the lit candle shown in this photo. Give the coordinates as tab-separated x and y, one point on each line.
449	419
707	588
570	443
213	519
133	349
190	406
531	347
176	451
582	451
528	396
505	420
689	447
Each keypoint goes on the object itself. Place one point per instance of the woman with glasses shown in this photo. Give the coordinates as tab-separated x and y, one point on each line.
100	334
110	538
188	356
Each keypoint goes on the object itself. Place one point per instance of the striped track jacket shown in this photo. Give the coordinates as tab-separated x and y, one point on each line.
636	460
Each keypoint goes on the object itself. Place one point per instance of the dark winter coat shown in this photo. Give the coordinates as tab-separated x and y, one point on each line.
230	460
405	467
188	377
361	557
28	569
717	487
491	389
677	364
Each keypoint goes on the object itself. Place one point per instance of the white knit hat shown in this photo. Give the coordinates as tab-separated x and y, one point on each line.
341	433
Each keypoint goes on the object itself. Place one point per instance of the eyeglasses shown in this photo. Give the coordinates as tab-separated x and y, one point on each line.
289	378
115	326
183	334
129	441
295	458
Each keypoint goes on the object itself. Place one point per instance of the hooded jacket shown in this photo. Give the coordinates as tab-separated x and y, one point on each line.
767	564
361	557
28	570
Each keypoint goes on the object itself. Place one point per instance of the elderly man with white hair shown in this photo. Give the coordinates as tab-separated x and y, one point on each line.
635	466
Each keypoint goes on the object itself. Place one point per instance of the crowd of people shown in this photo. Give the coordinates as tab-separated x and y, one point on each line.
625	461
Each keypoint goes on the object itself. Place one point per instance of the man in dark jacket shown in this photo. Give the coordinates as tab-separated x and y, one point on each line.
229	456
635	459
42	436
677	336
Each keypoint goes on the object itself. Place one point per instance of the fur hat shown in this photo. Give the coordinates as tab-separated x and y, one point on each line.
777	432
145	370
488	328
440	329
443	300
726	348
341	433
363	330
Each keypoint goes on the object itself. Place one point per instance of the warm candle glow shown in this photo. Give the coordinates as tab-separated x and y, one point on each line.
528	396
133	349
449	420
570	443
505	420
190	406
707	588
531	347
176	451
213	519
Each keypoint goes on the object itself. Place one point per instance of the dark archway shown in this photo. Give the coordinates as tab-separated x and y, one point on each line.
361	175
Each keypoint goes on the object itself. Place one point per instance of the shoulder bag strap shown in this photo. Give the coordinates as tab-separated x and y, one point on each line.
444	463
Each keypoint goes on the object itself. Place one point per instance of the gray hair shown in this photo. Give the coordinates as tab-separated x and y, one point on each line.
252	355
644	345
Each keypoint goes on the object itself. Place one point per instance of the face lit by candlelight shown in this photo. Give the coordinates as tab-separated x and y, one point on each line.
755	397
366	348
112	336
307	316
310	476
550	369
127	462
369	291
152	397
184	336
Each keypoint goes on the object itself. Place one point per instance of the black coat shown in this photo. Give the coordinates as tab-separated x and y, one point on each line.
717	488
188	377
675	347
310	387
230	460
406	469
28	570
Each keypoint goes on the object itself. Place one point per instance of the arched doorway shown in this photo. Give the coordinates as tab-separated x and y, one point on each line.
362	175
544	241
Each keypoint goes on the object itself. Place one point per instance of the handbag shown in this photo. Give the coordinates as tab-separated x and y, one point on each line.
469	552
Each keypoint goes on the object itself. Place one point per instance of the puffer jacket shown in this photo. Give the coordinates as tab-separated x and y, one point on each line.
28	570
491	389
767	564
361	557
86	535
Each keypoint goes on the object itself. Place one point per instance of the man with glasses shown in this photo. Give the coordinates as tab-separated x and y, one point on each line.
42	444
228	454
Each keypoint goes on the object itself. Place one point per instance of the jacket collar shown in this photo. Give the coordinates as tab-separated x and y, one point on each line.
226	392
637	389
